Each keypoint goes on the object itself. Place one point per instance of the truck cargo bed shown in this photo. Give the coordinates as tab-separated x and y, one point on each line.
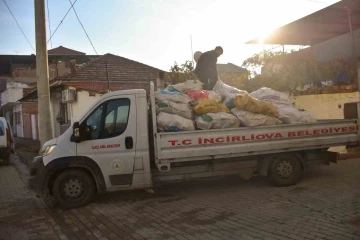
243	141
183	146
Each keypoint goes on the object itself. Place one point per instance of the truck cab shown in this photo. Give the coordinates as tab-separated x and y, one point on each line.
107	149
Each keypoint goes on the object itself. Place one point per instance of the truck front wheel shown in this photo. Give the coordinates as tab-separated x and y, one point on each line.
285	171
74	188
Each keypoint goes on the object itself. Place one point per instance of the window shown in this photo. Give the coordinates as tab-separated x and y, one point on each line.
117	113
93	123
109	123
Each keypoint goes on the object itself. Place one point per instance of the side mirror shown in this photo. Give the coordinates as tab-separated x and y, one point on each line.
76	132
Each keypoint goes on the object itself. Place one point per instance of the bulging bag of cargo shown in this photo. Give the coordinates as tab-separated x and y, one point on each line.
210	106
270	95
307	117
197	95
247	103
249	119
187	86
181	109
173	123
288	114
225	90
214	95
173	96
217	121
229	102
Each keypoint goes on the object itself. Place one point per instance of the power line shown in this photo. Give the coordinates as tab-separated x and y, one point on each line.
48	13
18	25
72	6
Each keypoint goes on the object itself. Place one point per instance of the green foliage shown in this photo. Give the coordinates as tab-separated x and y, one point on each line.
258	60
285	72
181	73
237	80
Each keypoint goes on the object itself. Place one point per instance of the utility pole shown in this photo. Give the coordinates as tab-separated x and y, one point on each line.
42	74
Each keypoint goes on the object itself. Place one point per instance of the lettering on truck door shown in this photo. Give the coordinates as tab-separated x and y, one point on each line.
111	139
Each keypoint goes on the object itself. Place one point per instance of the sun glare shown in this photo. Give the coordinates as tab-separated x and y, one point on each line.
262	38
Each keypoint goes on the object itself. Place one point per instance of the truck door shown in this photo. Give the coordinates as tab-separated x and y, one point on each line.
110	139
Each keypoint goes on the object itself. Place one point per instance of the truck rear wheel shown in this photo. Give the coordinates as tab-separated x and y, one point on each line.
285	171
74	188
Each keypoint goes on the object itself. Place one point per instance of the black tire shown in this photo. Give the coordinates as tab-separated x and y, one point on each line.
74	188
285	171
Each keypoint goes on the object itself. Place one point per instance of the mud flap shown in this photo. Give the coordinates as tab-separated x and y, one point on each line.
333	157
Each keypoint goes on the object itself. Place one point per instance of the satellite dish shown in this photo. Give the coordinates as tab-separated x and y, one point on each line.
197	55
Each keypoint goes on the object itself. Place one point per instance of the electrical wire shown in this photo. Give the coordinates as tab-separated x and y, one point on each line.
72	6
18	25
48	13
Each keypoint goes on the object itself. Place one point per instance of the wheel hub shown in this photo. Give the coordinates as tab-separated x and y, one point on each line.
285	169
73	188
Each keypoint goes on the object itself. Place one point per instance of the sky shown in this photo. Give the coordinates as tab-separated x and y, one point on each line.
154	32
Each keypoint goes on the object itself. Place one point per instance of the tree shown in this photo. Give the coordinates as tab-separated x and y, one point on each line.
287	72
181	73
254	63
237	80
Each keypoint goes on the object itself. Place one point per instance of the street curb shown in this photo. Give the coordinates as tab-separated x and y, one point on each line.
346	156
23	159
22	169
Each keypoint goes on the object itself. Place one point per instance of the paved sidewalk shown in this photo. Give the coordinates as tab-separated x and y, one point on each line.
320	207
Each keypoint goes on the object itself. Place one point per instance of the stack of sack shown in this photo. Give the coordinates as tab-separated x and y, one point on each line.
287	112
172	107
186	107
179	105
250	111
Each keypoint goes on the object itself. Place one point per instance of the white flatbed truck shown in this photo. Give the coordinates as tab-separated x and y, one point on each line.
115	145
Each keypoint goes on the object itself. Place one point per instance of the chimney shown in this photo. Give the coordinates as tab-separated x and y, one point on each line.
73	66
160	80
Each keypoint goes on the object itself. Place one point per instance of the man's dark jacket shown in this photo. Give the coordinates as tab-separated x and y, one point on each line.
206	66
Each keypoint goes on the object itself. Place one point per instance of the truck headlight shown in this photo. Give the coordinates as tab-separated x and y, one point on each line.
46	150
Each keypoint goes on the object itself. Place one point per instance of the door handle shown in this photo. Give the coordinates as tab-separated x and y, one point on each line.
129	143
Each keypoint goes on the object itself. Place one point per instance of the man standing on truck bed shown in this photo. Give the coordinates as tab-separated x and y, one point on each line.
206	69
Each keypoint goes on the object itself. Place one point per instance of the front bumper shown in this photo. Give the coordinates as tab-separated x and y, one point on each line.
36	181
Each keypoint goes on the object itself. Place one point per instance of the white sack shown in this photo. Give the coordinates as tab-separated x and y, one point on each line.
225	90
219	120
270	95
287	112
177	97
173	123
187	86
214	95
249	119
307	117
181	109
